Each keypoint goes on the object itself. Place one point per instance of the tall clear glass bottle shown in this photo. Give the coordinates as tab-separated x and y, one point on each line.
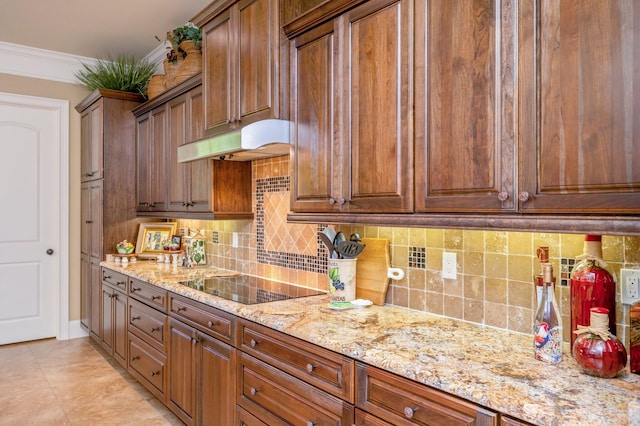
592	285
547	328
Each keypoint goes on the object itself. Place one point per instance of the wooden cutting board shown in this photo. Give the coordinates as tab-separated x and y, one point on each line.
371	270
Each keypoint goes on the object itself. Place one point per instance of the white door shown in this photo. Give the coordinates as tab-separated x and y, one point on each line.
30	196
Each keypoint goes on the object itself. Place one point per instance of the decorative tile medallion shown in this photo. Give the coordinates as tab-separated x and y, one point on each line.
278	243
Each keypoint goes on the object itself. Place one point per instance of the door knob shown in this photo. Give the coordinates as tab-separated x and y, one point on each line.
49	252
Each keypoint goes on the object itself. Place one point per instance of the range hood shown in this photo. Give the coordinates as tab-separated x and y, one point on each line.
266	138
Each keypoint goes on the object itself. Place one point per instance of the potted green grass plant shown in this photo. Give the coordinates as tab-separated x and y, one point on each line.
124	73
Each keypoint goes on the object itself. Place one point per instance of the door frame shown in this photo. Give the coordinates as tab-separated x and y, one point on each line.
61	108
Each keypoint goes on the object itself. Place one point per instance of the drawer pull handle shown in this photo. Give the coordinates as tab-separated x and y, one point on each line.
134	357
179	309
408	412
154	329
155	373
254	343
254	391
211	324
106	277
121	283
133	289
310	368
134	318
155	297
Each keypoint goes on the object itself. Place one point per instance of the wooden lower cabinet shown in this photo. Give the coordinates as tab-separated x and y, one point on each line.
277	398
365	419
400	401
149	366
247	419
201	377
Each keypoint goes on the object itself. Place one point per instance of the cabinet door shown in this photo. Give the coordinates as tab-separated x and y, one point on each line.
177	181
85	219
216	382
85	291
257	45
198	172
158	158
95	226
107	317
579	75
464	106
91	142
120	337
182	368
96	301
314	165
143	163
218	66
376	130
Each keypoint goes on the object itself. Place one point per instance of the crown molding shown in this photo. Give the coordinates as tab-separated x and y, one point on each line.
32	62
26	61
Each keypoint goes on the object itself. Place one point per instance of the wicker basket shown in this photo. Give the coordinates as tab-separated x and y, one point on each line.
156	86
192	64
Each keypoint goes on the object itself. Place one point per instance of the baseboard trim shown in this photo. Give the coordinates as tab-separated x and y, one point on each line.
76	330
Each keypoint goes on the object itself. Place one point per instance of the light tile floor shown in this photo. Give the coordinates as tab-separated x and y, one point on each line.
72	382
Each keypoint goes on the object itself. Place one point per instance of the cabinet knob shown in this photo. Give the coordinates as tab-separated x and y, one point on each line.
253	343
155	297
179	308
134	357
121	283
332	201
134	289
341	200
152	204
310	423
135	318
253	391
408	412
503	196
154	329
310	367
88	222
211	324
523	196
154	373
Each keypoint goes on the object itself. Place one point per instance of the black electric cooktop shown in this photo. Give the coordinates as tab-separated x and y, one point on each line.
249	290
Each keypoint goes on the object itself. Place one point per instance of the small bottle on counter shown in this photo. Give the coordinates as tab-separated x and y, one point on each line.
547	328
543	255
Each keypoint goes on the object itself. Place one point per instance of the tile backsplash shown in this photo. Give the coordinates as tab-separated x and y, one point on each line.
495	268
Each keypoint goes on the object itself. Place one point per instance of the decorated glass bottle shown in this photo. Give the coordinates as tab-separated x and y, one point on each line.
592	285
547	328
598	352
543	255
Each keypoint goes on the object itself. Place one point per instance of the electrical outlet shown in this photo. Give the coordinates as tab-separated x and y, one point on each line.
630	279
449	268
234	240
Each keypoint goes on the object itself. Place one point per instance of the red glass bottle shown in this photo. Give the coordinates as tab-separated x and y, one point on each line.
591	286
598	352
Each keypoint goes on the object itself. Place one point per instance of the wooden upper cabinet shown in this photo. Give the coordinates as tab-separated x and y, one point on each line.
353	134
178	196
241	65
92	142
579	73
151	160
314	164
464	106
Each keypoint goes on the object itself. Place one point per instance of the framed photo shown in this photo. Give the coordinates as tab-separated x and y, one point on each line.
152	236
177	239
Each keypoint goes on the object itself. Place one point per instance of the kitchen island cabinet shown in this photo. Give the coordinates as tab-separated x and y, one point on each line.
352	139
107	157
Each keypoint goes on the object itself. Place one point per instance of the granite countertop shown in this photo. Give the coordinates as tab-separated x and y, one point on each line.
491	367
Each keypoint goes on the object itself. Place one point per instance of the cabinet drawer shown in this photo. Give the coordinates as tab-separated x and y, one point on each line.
401	401
205	318
320	367
149	294
263	390
115	279
148	366
148	324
